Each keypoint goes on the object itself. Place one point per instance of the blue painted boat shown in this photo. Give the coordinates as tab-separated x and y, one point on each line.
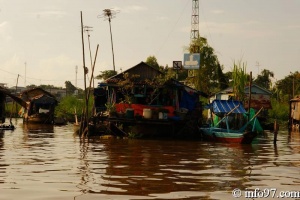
232	113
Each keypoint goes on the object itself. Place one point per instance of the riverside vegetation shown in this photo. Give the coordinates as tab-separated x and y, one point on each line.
209	79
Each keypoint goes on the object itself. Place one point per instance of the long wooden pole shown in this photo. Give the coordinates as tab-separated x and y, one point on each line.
250	92
112	46
256	113
245	126
92	75
83	124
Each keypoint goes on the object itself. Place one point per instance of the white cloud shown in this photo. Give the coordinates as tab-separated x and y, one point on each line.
218	12
162	18
132	8
49	14
3	24
53	71
4	27
12	64
248	29
10	69
293	27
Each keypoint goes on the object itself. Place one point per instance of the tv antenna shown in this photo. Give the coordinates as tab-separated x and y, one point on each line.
88	29
109	14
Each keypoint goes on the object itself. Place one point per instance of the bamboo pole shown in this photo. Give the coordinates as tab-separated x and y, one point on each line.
245	126
276	128
93	67
256	114
83	124
250	92
228	114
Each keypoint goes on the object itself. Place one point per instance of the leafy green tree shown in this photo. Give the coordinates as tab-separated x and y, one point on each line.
264	79
106	74
228	77
126	84
222	78
70	88
279	111
168	71
71	105
45	87
152	61
282	93
31	86
209	78
284	87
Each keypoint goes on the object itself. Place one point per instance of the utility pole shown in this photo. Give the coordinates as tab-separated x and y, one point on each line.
25	76
257	64
88	29
76	70
109	14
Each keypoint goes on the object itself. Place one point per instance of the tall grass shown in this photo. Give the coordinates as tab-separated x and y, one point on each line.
239	80
71	104
12	109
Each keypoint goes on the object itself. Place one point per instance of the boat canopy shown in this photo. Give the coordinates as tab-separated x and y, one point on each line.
225	106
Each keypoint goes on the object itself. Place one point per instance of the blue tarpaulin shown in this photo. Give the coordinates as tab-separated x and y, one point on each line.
225	106
188	100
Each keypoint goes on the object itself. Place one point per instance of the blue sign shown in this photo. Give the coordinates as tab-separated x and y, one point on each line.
191	61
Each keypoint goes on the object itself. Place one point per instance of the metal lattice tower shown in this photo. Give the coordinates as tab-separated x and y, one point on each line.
195	24
195	20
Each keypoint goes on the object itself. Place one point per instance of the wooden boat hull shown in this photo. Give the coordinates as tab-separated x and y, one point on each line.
7	127
231	136
39	119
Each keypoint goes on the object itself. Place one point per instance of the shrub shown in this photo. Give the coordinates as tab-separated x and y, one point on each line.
279	111
67	106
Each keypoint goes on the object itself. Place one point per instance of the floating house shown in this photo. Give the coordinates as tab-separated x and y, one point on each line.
141	101
3	93
2	105
40	106
260	97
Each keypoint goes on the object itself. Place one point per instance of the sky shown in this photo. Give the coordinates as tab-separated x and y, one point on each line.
41	41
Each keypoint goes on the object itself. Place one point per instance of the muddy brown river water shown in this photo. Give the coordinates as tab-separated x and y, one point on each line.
50	162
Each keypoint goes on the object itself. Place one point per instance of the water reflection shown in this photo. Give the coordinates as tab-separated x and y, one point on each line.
51	163
147	168
2	165
171	168
38	128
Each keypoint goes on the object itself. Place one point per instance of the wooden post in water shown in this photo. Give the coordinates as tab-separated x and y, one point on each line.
276	128
250	93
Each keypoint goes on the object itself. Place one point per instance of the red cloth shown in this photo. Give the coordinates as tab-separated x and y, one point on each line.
138	108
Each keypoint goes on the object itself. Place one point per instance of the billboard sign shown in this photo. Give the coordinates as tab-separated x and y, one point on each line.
177	65
191	61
